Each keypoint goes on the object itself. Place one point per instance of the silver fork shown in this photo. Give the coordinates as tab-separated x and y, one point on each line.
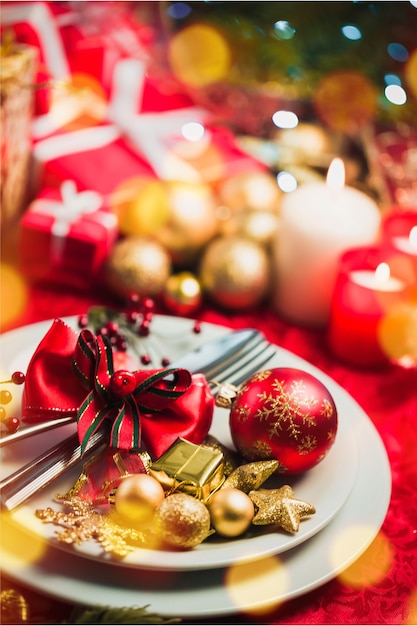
233	369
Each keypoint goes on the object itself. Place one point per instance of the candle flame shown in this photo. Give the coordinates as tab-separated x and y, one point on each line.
382	274
336	175
413	237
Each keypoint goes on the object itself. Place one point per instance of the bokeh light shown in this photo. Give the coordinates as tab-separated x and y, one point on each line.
285	119
395	94
410	73
25	547
345	101
179	10
199	55
397	51
253	584
372	566
193	131
286	182
392	79
283	30
14	295
350	31
397	333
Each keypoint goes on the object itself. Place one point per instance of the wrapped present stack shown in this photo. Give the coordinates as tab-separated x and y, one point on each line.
143	182
17	75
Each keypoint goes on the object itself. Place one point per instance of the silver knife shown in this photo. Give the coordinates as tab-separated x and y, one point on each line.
233	358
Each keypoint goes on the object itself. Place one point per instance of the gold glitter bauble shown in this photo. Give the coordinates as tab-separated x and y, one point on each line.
182	293
138	265
251	191
235	272
182	521
192	220
137	497
231	512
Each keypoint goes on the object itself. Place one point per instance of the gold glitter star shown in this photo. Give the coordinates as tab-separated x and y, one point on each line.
278	506
251	476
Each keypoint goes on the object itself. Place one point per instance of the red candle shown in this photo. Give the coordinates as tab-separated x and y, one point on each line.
364	292
399	235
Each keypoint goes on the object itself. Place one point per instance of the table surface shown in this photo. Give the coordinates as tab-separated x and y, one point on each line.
381	587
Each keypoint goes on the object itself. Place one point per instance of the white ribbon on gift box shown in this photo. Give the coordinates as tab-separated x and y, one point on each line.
150	133
66	212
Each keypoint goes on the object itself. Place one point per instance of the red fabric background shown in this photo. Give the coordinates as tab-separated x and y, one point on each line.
389	397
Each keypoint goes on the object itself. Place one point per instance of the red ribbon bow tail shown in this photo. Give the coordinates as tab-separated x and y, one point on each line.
51	388
190	417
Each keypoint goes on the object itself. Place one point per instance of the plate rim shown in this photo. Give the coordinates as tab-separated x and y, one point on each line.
39	575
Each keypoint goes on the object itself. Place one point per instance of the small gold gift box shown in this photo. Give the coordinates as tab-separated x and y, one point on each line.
193	469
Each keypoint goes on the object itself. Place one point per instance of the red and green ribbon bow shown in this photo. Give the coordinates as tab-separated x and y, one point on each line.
120	397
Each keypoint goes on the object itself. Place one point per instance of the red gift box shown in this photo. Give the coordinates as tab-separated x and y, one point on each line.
66	236
96	158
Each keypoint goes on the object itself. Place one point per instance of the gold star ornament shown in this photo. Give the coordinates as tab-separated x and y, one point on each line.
279	507
251	475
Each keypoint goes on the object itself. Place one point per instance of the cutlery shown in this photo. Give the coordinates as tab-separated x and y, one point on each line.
206	359
233	358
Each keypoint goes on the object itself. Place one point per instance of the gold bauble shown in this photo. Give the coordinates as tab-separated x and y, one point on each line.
231	512
137	497
307	144
192	220
138	265
235	272
142	206
251	190
182	293
261	226
182	521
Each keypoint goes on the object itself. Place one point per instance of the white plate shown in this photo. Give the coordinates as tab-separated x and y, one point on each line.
327	486
260	585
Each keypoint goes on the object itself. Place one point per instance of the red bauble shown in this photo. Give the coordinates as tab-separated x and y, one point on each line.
284	414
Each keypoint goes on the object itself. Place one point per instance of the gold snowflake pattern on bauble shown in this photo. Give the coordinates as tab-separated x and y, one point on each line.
285	406
81	522
279	507
243	412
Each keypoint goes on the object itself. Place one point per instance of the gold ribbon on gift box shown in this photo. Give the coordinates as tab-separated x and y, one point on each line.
190	468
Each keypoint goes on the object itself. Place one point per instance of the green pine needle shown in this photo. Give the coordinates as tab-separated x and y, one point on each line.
107	615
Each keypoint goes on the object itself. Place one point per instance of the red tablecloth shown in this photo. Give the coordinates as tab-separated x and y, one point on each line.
389	397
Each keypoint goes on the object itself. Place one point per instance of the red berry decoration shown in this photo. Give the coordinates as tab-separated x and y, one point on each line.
18	378
122	383
12	424
284	414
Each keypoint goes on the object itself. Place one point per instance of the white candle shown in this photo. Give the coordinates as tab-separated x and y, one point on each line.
407	244
378	280
318	222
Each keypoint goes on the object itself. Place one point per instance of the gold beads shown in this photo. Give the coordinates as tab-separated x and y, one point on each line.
182	521
231	512
137	498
